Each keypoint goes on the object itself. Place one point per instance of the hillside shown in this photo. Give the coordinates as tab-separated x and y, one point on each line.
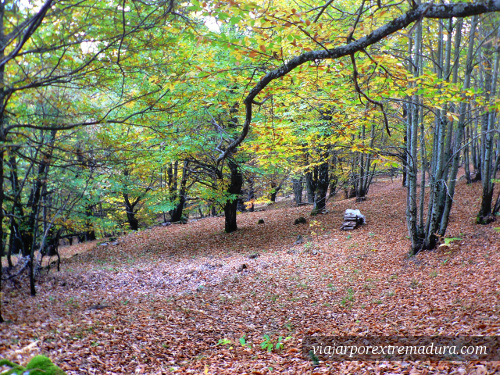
178	299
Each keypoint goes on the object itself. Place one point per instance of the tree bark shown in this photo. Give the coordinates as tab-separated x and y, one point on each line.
311	178
251	194
129	210
489	166
179	195
234	189
321	188
297	190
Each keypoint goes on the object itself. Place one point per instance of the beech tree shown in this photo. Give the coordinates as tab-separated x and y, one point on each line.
63	45
423	236
334	93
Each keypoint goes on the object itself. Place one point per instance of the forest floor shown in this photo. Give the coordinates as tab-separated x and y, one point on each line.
177	299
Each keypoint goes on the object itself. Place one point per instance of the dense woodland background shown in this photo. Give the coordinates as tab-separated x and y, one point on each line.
116	116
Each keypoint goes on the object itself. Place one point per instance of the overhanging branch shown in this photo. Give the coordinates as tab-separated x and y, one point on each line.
441	11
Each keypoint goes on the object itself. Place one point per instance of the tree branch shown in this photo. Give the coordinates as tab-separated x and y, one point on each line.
441	11
34	23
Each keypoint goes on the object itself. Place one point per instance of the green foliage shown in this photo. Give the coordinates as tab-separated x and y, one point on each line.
39	365
349	298
449	240
224	342
269	344
244	343
314	359
42	365
15	368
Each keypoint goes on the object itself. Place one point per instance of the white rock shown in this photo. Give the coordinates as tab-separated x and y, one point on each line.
356	213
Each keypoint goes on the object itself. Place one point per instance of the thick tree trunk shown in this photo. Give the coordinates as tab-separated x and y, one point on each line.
178	190
311	185
297	190
132	220
274	192
234	189
415	232
176	213
129	210
321	189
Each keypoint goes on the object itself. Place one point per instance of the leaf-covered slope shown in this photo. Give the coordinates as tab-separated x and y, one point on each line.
172	299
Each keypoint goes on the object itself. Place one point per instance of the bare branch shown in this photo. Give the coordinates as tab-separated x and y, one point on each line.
361	93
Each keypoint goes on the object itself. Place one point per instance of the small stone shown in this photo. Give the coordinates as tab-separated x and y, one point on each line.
300	220
299	240
261	221
242	267
98	307
254	256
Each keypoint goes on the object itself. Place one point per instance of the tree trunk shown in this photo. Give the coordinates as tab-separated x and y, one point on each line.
274	192
251	194
2	152
89	234
297	190
234	189
452	180
489	166
310	186
178	190
321	189
414	231
176	213
129	210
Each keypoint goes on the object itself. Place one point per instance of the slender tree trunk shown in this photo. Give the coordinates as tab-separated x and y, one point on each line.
414	230
89	233
437	173
459	135
274	192
3	140
2	245
467	155
485	214
251	194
